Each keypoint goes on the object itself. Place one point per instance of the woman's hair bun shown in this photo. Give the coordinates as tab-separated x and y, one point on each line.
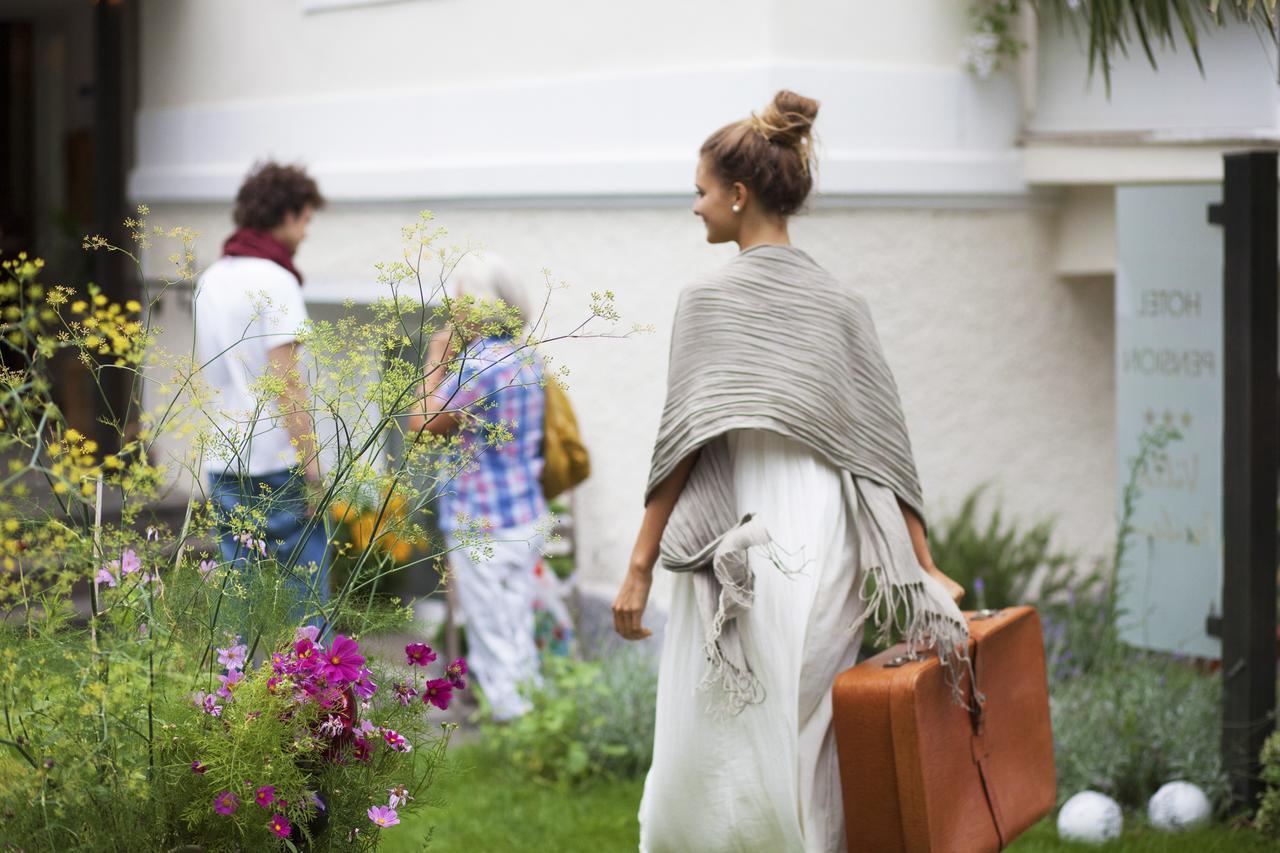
788	119
771	152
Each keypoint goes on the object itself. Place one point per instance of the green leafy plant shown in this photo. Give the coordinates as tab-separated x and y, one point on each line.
1267	819
1128	728
590	719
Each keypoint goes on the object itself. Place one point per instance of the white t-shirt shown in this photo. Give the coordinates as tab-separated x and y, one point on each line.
244	308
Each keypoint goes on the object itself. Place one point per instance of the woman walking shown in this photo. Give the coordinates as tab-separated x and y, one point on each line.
784	494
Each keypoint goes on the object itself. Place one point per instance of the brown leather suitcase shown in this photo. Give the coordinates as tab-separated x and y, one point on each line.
921	773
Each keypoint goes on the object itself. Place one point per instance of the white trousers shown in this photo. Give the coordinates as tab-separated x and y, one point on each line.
496	596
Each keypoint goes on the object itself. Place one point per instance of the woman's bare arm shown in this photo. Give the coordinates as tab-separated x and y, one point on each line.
628	607
920	544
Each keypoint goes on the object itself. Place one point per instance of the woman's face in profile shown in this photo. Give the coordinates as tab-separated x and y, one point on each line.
714	204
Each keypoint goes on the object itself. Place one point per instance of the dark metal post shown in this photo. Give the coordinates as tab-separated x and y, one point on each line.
1251	464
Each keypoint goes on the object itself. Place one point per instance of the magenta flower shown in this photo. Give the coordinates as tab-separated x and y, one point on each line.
233	658
208	702
280	826
341	663
364	686
199	766
396	741
456	673
404	693
305	652
419	654
265	796
438	692
384	816
399	796
361	750
226	803
105	576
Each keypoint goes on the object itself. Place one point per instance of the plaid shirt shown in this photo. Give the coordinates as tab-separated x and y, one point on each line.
500	486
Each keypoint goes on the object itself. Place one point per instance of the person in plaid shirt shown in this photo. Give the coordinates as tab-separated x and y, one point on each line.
482	382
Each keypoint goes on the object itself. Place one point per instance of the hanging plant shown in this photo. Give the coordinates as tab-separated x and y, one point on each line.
1113	27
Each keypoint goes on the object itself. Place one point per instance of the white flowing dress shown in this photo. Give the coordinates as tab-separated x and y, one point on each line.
767	778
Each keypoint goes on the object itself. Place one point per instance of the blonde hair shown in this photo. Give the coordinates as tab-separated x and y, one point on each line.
488	278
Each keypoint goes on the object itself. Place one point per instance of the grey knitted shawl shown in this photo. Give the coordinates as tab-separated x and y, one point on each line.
772	341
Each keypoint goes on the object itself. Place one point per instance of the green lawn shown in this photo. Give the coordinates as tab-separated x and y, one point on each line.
477	808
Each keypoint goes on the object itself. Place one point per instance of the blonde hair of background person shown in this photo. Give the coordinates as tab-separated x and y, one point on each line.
487	279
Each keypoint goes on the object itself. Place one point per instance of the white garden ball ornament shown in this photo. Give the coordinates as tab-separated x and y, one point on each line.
1090	817
1178	806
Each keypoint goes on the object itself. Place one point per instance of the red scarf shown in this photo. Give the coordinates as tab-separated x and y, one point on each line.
252	243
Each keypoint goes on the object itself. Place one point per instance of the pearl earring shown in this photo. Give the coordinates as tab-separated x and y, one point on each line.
736	209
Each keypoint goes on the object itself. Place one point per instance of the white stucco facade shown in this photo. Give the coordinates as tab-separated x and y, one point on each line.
564	135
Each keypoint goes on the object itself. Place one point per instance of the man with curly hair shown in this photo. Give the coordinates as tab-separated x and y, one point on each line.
262	459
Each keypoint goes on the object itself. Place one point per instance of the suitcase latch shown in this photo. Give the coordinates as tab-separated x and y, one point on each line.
901	660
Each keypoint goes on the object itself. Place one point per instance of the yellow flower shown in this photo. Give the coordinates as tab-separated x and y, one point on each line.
99	299
133	305
79	306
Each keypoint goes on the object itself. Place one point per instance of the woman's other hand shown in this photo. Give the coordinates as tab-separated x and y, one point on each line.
955	590
628	607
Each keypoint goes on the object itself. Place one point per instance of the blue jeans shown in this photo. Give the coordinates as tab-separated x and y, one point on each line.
282	499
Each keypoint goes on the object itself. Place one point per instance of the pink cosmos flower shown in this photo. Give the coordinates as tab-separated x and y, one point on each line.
305	652
365	728
280	826
273	683
229	682
384	816
456	673
265	796
404	693
396	741
208	702
399	796
233	658
307	632
207	568
341	662
361	750
199	766
364	686
438	692
128	562
105	576
419	654
226	803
